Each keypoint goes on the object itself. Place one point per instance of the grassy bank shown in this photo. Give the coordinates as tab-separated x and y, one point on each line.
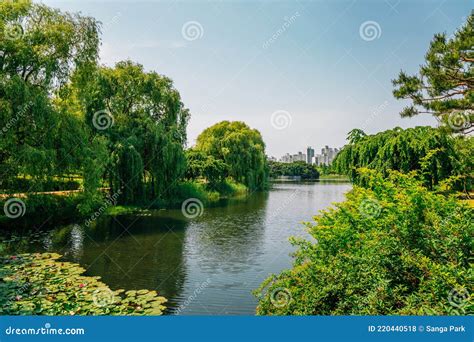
334	177
34	211
186	190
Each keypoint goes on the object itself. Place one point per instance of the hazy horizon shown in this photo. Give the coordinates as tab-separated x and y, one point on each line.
317	69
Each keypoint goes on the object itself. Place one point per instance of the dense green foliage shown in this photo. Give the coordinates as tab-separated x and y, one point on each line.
37	138
240	148
391	248
63	114
299	168
144	122
437	155
39	284
444	86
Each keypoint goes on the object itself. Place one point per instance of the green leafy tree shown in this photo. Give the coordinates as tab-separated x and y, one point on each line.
298	168
421	148
40	49
241	148
140	113
444	86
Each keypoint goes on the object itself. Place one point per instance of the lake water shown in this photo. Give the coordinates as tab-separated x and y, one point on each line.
208	265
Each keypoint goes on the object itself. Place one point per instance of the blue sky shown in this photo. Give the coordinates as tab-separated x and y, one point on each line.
301	72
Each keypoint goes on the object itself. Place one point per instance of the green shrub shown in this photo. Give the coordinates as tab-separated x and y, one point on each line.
38	284
391	248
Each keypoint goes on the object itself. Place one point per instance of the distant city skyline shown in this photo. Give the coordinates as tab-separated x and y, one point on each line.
302	73
326	156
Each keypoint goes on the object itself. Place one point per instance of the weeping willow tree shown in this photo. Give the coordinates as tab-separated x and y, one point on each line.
127	173
426	149
40	49
241	148
144	121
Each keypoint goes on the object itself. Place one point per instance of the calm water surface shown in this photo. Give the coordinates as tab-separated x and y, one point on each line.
207	266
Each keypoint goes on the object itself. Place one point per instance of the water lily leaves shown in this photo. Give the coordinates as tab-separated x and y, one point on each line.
39	284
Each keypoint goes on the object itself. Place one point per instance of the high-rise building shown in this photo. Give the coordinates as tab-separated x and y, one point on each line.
327	156
309	155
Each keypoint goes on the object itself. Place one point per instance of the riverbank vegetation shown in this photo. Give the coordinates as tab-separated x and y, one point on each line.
298	169
393	247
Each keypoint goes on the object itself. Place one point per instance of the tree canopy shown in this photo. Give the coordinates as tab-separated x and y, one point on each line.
427	149
444	85
241	148
40	49
298	168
